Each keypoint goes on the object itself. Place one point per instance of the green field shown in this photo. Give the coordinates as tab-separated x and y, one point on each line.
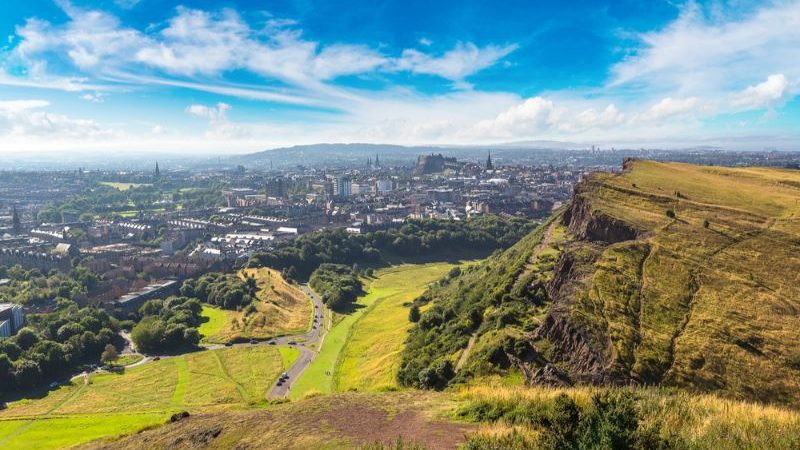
215	320
113	404
123	186
371	356
381	308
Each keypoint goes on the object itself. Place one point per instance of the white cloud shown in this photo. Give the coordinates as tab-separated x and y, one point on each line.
772	92
533	115
127	4
700	55
24	118
214	114
669	107
94	97
456	64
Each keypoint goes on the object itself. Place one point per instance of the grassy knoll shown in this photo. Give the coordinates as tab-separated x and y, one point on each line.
123	186
112	404
280	308
393	285
371	356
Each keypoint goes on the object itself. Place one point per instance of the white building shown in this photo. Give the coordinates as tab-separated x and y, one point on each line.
11	319
384	185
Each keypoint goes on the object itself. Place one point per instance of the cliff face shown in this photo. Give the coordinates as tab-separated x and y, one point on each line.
679	275
590	224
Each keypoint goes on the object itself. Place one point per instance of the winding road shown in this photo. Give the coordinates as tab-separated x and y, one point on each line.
308	344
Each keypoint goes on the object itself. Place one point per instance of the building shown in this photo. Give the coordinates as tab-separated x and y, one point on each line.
11	319
342	187
131	302
383	186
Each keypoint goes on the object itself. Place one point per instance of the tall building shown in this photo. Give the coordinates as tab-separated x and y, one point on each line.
11	319
489	165
342	187
383	185
276	187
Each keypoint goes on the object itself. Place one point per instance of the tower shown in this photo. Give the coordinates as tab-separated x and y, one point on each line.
157	172
15	221
489	165
377	162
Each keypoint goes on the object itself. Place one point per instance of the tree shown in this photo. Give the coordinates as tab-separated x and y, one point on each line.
27	373
109	354
26	338
670	214
413	314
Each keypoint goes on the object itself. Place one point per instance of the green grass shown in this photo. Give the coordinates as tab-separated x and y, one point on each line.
123	186
214	320
288	356
112	404
393	285
125	360
371	355
61	432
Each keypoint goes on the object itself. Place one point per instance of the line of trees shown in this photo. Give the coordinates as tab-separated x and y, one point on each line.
415	238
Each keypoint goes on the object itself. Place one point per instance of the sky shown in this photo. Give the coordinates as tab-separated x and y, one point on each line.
202	76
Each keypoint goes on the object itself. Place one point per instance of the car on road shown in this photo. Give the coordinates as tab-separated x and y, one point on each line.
157	358
53	385
292	342
271	342
229	344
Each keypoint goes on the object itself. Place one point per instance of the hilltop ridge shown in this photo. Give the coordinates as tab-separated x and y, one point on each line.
663	274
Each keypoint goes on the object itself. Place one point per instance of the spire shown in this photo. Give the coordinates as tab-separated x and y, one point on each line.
17	226
377	162
157	172
489	165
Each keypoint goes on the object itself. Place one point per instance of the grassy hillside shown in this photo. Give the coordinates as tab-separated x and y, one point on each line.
489	416
112	404
665	273
280	308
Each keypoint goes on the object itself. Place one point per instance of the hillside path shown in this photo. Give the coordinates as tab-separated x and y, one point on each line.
548	236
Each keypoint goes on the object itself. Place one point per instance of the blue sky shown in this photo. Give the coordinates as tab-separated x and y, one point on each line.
237	76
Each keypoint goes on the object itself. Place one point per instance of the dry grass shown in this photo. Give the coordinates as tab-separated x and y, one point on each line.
281	309
713	308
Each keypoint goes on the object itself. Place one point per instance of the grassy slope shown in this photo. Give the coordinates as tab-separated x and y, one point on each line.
371	357
708	308
390	283
281	308
110	404
340	421
123	186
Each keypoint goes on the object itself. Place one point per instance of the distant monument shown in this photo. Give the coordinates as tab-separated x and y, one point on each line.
428	164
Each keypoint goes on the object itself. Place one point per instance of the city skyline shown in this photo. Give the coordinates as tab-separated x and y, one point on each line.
242	76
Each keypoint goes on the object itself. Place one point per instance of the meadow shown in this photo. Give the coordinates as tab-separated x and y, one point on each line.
123	186
111	404
361	351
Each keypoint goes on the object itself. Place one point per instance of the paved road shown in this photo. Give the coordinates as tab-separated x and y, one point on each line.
308	344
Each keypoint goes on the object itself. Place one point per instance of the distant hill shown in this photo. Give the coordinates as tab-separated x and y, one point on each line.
666	274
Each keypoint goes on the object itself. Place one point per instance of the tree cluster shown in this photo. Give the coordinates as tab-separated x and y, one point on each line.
54	344
337	284
227	291
168	325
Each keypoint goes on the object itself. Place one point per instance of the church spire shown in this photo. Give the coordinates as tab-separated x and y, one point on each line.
489	165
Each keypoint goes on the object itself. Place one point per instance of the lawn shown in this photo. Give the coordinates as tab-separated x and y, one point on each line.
123	186
126	360
214	320
113	404
281	309
394	286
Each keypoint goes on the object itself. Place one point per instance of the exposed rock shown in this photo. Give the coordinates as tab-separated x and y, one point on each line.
590	224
